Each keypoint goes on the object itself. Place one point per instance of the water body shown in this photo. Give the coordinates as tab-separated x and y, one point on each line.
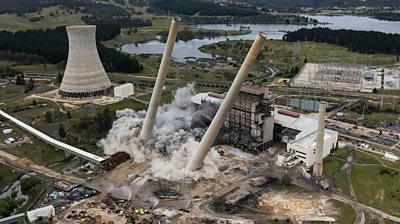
310	105
183	49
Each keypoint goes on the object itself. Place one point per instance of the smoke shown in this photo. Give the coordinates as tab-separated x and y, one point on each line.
174	138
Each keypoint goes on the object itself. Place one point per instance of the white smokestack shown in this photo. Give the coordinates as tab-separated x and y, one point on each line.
148	124
200	154
317	168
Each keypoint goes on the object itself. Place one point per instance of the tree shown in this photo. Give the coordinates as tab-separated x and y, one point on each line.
31	84
61	132
28	183
49	116
69	114
20	80
59	77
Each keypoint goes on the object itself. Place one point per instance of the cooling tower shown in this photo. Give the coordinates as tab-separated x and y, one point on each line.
196	161
84	74
317	167
148	123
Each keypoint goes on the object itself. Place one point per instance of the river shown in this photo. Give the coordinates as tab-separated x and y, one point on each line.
189	48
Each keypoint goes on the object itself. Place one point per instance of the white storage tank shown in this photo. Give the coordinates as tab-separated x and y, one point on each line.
123	91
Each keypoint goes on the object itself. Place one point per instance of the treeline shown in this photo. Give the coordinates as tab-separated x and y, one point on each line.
190	7
262	18
21	58
52	44
127	22
359	41
295	6
387	16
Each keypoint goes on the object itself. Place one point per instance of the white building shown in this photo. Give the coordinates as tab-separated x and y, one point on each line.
123	91
305	147
300	133
41	213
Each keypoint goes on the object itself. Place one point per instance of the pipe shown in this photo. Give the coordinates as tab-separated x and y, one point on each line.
200	154
147	129
318	164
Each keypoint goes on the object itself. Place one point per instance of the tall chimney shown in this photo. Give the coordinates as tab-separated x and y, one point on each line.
317	168
196	161
148	124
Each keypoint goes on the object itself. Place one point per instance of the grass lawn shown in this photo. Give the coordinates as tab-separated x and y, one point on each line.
380	191
331	166
343	184
364	158
341	153
347	213
39	152
13	22
126	103
7	176
373	118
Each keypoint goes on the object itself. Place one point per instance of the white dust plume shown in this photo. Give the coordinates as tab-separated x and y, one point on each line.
168	151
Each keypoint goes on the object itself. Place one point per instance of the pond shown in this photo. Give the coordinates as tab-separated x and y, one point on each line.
183	50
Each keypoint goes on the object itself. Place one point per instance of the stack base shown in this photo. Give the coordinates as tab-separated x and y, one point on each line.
86	94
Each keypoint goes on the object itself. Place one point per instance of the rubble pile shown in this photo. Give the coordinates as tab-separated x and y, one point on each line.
116	159
109	210
75	194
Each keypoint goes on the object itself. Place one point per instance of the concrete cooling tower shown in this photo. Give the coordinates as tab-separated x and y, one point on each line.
84	74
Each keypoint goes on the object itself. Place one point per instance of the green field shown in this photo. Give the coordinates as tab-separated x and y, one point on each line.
347	213
380	191
283	55
331	166
7	175
14	22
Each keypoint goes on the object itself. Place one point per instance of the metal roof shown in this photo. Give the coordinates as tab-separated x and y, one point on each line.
58	144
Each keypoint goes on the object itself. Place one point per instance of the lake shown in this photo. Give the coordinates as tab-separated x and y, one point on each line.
189	48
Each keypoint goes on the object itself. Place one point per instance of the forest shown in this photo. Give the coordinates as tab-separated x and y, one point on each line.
359	41
52	45
190	7
262	18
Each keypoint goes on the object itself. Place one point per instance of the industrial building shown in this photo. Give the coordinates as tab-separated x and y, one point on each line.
123	91
84	74
300	133
249	124
348	77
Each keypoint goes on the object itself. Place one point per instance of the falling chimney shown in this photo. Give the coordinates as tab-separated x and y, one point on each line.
317	168
148	124
196	161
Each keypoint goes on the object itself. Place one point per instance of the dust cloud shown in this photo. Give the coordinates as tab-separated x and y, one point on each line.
175	137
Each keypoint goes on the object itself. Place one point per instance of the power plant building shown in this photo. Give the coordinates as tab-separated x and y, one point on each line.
300	133
84	74
249	124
